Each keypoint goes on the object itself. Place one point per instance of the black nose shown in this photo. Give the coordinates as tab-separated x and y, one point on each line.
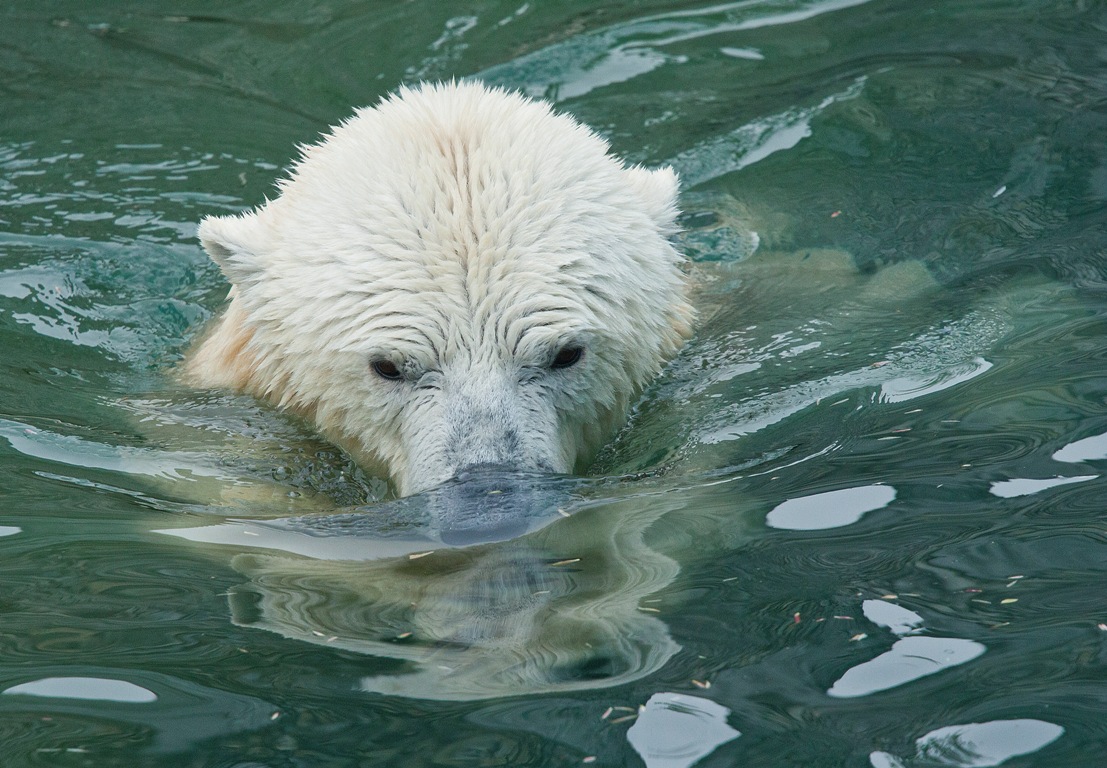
492	502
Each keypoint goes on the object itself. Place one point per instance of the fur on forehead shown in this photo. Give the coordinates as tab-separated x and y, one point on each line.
453	194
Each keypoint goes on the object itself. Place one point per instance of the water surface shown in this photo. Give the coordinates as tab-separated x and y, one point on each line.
859	522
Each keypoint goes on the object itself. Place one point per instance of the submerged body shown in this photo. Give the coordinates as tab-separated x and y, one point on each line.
456	277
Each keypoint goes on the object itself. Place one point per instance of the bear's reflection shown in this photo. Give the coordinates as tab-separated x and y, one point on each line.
555	609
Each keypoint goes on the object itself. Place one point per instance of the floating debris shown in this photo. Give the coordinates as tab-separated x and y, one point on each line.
570	561
701	683
858	637
634	712
1008	600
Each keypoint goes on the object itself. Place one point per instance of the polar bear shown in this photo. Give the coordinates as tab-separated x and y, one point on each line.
458	276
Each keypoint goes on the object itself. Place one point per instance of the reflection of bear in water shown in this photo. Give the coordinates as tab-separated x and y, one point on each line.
557	609
455	277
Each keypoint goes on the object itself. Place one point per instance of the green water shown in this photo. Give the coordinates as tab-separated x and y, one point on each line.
859	522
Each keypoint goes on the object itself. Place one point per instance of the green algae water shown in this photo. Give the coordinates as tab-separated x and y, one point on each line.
858	522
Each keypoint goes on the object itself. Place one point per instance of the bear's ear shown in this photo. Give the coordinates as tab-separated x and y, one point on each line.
658	189
233	243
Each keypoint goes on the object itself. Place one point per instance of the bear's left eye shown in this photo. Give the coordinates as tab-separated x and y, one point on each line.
567	357
386	369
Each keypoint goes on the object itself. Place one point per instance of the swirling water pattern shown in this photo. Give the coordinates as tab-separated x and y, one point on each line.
858	522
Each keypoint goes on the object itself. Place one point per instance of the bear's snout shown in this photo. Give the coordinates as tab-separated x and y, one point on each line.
481	424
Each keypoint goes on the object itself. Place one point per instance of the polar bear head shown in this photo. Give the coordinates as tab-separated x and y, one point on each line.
457	276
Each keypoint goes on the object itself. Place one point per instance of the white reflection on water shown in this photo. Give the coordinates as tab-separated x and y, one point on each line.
903	388
616	54
74	451
677	730
86	688
909	659
174	714
831	509
1089	449
1009	489
975	745
896	618
927	364
274	534
754	141
226	451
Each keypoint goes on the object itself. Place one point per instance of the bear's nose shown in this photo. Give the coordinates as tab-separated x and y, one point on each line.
495	502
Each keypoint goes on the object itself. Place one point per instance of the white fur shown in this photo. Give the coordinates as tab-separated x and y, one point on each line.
466	234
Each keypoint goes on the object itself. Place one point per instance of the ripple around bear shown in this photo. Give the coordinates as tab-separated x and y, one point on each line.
457	276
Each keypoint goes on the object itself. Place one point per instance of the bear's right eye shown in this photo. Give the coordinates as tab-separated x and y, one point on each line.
567	357
386	369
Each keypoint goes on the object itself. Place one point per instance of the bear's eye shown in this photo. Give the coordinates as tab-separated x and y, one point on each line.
567	357
386	369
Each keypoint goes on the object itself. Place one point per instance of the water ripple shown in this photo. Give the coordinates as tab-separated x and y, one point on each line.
621	52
